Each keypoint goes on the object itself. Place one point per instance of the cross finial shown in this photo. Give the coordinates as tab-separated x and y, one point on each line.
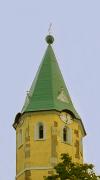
49	30
49	38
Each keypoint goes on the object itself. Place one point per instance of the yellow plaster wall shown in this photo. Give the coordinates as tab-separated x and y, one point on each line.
41	150
21	177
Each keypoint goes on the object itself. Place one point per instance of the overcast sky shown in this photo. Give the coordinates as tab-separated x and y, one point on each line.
76	29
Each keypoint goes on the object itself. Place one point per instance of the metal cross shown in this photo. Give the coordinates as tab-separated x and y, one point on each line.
49	30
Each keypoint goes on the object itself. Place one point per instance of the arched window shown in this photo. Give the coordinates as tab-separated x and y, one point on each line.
67	135
40	131
64	134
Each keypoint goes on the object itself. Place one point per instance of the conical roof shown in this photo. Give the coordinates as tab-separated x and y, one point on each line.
48	90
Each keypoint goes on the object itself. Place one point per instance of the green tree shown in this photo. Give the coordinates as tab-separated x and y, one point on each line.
67	170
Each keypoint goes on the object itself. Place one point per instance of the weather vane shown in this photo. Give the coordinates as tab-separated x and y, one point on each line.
49	30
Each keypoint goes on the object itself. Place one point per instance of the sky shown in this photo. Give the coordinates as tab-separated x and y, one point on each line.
76	29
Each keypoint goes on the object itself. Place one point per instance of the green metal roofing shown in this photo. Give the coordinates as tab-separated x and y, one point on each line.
48	90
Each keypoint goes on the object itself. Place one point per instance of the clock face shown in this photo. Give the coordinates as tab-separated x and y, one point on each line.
67	118
63	117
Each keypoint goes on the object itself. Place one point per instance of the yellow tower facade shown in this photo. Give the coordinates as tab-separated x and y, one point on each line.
48	124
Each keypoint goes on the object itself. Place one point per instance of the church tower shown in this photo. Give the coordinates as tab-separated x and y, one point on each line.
48	124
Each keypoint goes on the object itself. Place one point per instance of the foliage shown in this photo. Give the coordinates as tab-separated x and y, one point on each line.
67	170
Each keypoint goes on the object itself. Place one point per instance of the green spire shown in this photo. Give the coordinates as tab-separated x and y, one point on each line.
48	90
